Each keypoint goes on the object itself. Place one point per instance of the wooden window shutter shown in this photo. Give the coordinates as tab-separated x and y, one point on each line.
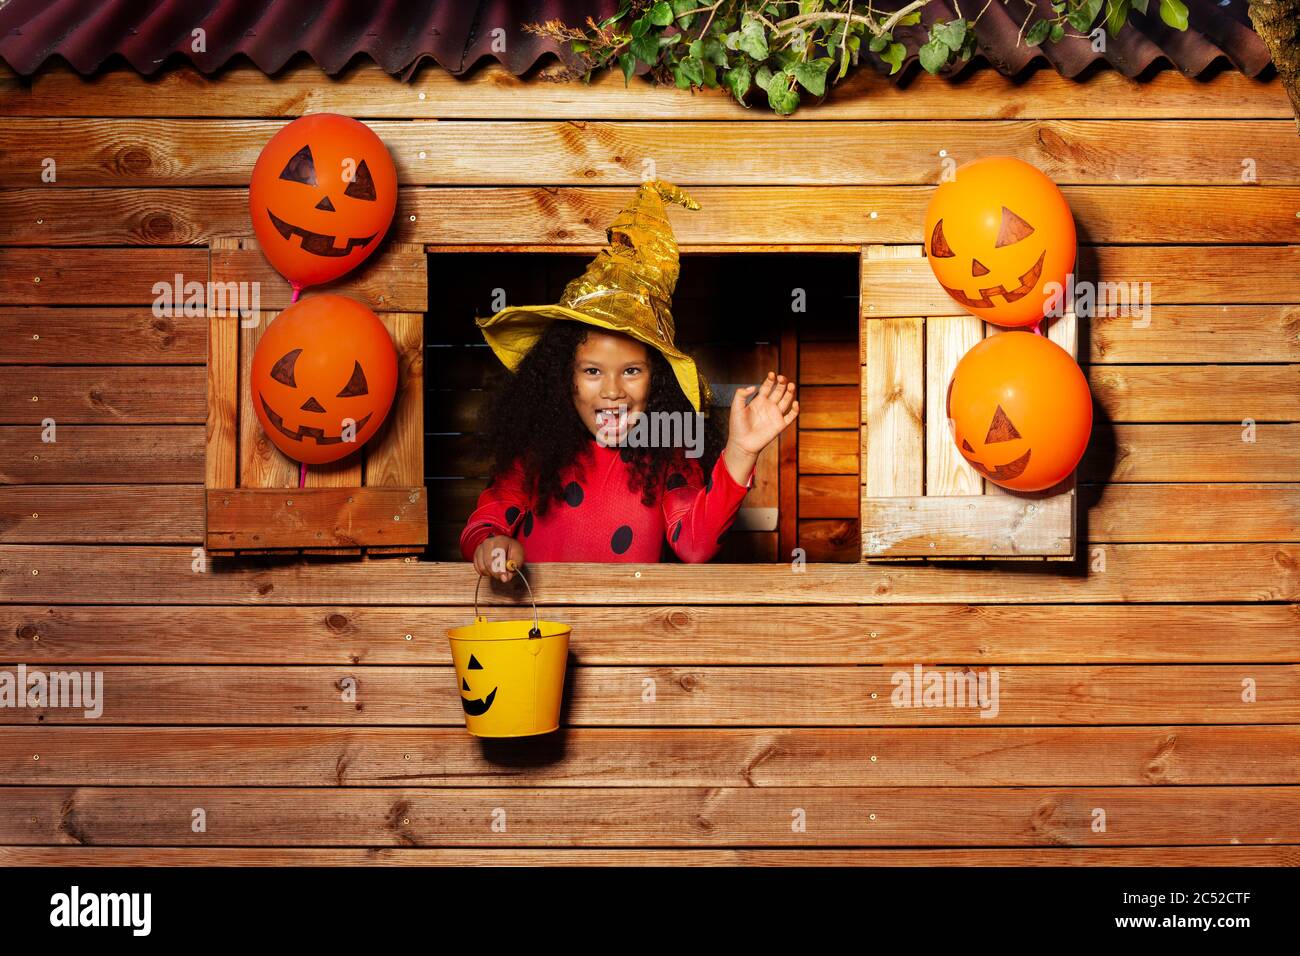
372	501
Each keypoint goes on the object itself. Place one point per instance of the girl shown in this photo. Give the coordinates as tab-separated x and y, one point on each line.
573	477
563	487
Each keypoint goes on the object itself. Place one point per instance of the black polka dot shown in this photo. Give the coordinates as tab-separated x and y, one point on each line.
677	531
622	539
512	515
675	481
528	524
573	494
625	454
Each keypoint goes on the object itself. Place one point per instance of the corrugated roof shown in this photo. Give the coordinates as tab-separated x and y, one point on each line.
457	34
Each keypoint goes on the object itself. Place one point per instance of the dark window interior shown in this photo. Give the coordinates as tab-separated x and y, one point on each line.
731	311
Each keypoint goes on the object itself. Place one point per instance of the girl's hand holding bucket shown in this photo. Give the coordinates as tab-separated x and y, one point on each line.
499	551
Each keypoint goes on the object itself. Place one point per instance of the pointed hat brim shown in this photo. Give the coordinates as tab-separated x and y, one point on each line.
514	331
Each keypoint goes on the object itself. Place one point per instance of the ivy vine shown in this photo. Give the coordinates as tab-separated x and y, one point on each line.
754	48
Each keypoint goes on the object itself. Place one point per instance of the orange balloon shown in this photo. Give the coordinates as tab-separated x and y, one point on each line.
322	195
324	377
1020	410
996	235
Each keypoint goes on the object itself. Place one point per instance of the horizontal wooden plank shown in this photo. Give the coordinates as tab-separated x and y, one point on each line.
1196	333
1183	393
330	517
1216	274
96	574
1059	856
663	757
1197	393
829	363
37	276
365	91
828	496
221	152
829	406
100	336
129	395
828	452
1192	453
1181	452
81	514
1189	512
1193	334
102	454
45	635
979	525
843	215
825	218
668	816
392	280
830	539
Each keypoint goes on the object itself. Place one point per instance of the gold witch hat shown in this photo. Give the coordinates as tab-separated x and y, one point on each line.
627	288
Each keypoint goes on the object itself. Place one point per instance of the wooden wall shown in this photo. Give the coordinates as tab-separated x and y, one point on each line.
1123	677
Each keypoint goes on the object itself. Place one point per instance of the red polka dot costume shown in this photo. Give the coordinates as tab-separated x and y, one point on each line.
600	519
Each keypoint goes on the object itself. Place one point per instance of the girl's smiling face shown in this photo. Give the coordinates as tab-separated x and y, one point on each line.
611	383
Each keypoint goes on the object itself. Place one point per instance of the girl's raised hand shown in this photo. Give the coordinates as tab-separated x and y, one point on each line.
754	425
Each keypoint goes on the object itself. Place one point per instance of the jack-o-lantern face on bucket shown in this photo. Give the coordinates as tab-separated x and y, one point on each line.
1020	410
475	706
322	194
323	379
996	235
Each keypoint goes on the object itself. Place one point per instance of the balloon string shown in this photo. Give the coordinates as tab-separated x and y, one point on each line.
297	289
302	474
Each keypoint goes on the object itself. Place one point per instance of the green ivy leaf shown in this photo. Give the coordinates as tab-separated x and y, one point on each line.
1058	31
1038	32
893	55
912	19
781	97
1140	6
934	55
737	80
1117	16
710	74
878	43
692	68
951	34
1083	13
812	75
646	48
680	7
1174	13
763	76
753	39
639	26
661	14
714	53
628	62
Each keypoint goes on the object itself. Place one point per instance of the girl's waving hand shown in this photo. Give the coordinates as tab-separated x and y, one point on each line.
754	425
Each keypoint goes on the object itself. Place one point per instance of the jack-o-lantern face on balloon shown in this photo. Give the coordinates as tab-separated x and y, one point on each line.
996	235
322	195
324	376
1020	410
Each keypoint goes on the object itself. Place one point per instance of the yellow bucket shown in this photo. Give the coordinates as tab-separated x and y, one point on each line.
510	674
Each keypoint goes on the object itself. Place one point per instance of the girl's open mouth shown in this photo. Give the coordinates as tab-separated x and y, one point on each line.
610	417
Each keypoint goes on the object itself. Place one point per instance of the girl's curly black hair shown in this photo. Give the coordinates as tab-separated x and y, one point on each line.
531	418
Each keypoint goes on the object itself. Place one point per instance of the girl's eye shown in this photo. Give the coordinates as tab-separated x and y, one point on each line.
632	370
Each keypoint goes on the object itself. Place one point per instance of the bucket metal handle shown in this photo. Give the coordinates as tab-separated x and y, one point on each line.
536	632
